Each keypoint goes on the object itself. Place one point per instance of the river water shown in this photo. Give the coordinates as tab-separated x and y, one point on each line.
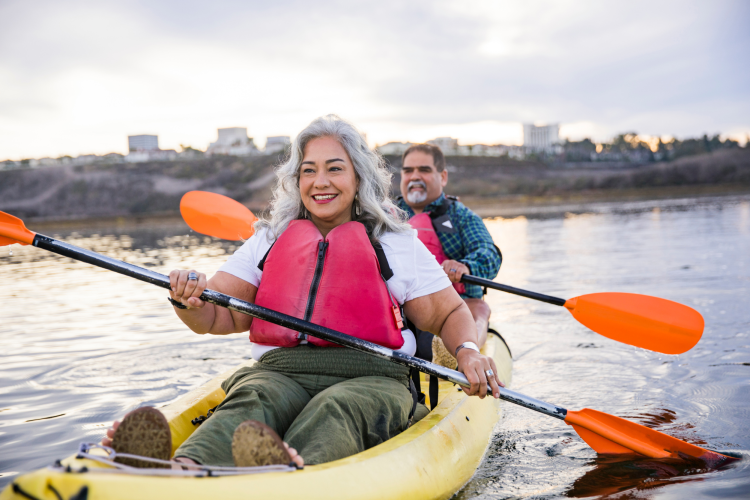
81	346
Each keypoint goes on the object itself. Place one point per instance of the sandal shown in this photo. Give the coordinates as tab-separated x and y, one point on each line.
254	444
145	432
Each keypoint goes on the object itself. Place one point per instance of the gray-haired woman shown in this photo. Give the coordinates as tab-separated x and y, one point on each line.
335	252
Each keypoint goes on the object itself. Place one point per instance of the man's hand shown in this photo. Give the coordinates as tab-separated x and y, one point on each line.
455	270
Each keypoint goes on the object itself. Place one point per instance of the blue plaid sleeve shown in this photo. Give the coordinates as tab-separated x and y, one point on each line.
472	245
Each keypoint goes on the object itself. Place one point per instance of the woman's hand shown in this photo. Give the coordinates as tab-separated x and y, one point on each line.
107	440
475	366
186	290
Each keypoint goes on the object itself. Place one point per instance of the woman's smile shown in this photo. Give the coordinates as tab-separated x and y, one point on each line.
323	198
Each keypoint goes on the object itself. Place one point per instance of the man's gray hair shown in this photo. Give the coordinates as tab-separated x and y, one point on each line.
378	213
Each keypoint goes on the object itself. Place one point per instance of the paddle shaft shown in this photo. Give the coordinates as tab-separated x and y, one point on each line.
475	280
256	311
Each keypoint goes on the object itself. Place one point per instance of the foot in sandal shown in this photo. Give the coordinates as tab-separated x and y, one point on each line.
255	444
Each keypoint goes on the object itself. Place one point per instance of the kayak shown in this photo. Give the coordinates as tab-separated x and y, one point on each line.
434	458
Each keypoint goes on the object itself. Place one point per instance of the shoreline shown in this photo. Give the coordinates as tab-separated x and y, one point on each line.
559	204
506	207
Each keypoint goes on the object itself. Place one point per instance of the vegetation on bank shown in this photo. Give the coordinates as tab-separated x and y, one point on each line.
156	188
633	148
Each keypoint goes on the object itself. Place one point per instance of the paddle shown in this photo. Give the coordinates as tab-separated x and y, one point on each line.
604	433
640	320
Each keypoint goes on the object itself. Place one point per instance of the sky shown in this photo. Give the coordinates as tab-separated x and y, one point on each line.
78	77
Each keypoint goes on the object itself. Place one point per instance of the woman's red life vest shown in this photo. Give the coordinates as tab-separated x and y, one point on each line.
334	282
427	235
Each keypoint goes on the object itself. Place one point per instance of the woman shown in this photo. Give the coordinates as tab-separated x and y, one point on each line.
336	252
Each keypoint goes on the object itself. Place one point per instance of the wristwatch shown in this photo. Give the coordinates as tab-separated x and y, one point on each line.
468	345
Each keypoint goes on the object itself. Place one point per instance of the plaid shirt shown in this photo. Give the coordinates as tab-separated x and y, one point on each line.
471	245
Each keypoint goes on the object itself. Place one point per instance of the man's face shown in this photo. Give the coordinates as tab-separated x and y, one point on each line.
421	183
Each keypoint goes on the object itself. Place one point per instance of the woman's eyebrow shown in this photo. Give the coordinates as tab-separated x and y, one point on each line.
333	160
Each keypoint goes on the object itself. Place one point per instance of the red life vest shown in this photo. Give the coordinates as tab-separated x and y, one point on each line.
427	235
334	282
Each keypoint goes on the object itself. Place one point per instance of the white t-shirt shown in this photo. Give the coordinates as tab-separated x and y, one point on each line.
416	273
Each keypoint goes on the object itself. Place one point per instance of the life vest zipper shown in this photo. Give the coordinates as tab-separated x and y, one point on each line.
317	275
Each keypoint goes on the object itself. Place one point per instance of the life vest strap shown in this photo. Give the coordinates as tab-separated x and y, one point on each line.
385	268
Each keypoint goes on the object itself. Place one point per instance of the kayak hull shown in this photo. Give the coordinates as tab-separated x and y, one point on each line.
432	459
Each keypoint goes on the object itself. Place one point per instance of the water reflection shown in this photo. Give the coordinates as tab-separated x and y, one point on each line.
618	474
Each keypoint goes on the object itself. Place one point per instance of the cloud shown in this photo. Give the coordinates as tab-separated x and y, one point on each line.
78	77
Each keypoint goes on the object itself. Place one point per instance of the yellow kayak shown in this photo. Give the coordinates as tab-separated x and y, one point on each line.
432	459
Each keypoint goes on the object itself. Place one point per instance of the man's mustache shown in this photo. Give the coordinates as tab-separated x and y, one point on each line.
416	183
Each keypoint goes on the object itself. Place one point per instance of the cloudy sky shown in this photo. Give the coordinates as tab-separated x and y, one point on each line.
78	77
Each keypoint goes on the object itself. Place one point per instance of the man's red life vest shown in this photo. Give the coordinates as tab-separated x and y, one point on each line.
334	282
427	235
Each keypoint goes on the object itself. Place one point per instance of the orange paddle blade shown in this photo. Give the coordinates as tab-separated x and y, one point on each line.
648	322
12	230
217	215
614	435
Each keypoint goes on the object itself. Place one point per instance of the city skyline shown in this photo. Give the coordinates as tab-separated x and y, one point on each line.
77	78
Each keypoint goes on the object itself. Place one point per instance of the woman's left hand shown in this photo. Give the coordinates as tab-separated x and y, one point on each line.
476	367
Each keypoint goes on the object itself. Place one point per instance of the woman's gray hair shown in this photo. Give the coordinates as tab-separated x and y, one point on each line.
377	212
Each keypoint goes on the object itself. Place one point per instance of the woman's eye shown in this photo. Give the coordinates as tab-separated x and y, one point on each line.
308	171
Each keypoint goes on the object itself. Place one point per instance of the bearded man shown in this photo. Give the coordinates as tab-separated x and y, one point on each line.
455	235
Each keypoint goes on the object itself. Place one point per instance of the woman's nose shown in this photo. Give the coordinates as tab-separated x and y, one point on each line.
321	180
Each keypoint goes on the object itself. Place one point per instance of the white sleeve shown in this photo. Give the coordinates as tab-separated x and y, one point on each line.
429	276
416	272
244	262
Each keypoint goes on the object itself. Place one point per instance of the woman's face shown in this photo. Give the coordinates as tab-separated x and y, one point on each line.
327	183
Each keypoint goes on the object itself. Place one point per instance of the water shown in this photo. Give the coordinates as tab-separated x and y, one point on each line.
82	346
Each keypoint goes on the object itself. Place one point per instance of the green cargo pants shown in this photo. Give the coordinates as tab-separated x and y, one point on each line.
326	402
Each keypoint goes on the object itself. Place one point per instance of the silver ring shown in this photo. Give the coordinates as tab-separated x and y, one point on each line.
192	276
489	373
453	270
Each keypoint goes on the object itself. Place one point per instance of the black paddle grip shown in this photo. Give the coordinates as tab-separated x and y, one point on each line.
474	280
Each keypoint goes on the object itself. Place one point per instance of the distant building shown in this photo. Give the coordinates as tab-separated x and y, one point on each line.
544	139
448	145
64	160
232	141
481	150
394	148
516	152
113	158
44	162
277	144
85	160
190	153
157	155
143	143
142	148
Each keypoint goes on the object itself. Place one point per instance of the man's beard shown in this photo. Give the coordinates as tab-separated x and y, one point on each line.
416	197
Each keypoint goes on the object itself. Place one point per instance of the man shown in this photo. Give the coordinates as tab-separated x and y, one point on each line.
454	234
